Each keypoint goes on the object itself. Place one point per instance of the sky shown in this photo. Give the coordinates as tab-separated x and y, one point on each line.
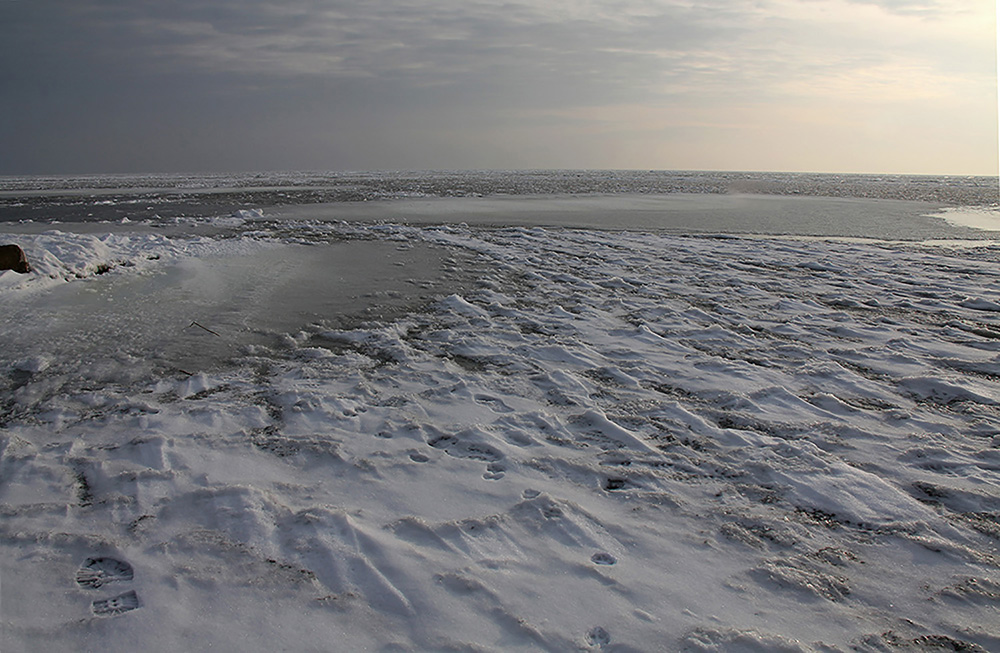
103	86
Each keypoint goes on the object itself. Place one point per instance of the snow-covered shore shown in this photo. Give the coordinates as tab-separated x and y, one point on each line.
587	440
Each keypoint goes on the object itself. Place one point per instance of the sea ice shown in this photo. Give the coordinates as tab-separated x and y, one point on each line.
512	439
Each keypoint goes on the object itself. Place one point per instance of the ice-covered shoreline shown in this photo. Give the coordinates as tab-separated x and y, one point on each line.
612	440
82	248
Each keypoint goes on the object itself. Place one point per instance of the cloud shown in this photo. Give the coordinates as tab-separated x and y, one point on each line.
544	50
337	80
911	7
417	43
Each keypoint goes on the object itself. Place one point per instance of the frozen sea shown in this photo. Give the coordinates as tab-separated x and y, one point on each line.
493	411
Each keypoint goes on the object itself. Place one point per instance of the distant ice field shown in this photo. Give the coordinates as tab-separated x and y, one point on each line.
867	206
625	420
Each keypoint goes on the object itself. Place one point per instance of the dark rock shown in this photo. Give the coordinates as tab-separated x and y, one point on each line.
12	258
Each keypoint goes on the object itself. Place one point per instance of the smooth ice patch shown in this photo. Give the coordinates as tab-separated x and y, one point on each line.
976	217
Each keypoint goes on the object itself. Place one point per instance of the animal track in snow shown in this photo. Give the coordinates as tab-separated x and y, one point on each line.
597	636
96	572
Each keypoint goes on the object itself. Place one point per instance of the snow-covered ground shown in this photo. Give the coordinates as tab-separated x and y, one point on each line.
551	439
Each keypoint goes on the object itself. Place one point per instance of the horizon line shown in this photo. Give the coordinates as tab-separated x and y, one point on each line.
348	171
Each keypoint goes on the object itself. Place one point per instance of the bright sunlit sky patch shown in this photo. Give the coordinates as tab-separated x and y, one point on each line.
905	86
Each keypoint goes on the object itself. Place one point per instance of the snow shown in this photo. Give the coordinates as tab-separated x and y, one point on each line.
551	439
58	256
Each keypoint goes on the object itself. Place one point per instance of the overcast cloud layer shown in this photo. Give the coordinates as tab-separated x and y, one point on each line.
818	85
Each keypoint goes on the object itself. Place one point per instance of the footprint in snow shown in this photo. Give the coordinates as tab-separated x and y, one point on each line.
96	572
459	447
468	445
494	472
116	604
494	403
612	484
602	558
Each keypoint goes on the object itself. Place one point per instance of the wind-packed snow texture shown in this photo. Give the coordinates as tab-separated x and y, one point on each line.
519	438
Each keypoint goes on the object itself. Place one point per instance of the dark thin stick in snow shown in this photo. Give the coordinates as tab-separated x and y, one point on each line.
203	327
